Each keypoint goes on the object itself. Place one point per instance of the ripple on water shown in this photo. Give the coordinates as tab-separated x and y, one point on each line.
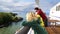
11	29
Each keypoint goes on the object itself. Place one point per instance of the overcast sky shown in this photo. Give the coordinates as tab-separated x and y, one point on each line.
19	5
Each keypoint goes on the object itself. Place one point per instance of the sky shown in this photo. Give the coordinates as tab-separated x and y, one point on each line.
12	5
20	5
46	5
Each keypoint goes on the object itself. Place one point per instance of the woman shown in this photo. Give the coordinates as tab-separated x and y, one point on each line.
33	21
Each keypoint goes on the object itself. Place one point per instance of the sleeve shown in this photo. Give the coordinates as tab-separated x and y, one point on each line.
26	24
30	24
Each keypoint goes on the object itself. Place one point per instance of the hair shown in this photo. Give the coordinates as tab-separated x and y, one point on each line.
31	16
36	8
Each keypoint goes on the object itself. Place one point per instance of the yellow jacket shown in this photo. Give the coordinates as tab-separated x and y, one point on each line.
42	24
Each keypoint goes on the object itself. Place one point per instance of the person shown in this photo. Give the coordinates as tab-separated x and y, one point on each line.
42	14
34	22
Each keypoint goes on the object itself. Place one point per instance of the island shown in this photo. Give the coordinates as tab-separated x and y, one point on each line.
8	18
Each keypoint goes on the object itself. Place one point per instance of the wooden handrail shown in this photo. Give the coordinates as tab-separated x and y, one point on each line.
53	20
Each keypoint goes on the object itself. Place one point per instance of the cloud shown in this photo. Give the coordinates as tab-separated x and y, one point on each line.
12	5
23	3
46	5
8	1
3	8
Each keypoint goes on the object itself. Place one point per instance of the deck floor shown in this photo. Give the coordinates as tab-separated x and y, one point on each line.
53	30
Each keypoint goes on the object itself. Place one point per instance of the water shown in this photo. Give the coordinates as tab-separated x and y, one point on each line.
15	26
11	29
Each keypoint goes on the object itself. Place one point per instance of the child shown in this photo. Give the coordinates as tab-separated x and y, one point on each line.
34	21
43	15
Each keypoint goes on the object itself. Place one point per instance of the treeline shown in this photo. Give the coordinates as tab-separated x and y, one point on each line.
6	18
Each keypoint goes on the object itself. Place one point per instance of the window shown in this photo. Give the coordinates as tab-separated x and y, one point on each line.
58	8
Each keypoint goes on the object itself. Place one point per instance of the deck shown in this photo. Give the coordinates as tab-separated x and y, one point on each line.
53	30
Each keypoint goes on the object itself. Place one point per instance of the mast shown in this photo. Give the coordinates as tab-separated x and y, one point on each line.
37	3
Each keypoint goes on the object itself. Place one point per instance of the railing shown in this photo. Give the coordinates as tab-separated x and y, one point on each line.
53	21
23	31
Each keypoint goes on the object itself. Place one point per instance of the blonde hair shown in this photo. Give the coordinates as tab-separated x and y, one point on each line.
31	16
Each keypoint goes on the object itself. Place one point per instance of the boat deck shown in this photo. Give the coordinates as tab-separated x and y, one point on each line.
53	30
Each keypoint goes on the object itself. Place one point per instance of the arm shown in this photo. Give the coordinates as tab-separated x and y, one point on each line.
30	24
